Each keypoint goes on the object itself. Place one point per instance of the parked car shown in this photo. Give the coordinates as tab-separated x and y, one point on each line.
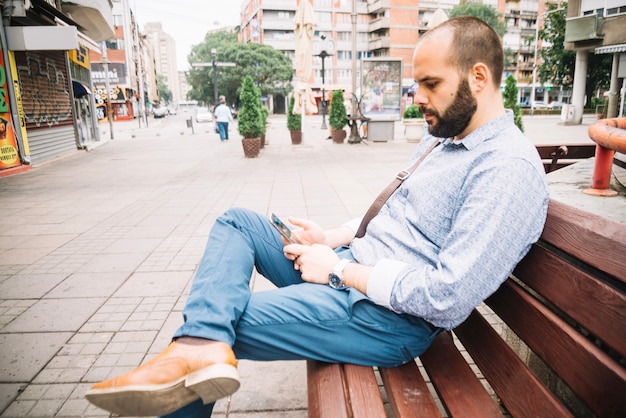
171	111
203	114
537	104
159	112
555	105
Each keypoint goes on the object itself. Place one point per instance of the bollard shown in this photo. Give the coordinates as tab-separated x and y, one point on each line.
610	136
190	125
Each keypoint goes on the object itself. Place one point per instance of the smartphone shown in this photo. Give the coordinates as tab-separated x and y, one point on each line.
283	229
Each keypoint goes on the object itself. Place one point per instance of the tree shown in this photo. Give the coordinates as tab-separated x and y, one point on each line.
510	100
558	64
481	11
164	92
270	69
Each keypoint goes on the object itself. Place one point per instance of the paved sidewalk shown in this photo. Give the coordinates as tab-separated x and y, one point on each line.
99	249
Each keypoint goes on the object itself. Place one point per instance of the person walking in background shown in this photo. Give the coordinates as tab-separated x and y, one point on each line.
223	116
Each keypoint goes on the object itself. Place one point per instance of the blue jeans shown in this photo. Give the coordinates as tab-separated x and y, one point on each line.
223	129
339	326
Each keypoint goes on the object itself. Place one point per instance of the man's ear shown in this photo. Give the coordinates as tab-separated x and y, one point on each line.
480	77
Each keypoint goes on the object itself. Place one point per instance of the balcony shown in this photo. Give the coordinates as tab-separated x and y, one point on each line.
583	28
94	16
383	23
379	43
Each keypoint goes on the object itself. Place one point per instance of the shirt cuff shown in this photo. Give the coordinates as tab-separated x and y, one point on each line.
353	224
382	280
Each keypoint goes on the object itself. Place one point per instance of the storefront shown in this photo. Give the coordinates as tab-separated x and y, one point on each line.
44	83
122	97
84	104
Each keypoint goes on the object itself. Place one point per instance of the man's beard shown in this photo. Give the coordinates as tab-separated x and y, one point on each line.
457	116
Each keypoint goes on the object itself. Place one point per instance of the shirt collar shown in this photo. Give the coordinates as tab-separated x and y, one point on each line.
485	132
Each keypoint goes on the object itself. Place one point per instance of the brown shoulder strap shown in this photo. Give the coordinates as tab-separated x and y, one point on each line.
388	191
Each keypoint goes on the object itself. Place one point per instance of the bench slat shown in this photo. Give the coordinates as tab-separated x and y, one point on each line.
569	354
326	392
408	393
461	392
365	399
519	390
596	306
597	241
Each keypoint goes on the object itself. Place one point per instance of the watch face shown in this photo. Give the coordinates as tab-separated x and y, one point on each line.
335	281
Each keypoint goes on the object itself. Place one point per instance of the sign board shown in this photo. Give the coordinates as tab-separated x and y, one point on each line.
381	88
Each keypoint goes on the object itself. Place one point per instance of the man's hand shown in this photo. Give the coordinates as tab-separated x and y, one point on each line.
315	262
308	232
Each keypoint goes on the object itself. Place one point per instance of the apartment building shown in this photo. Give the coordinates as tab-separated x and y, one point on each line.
389	28
164	47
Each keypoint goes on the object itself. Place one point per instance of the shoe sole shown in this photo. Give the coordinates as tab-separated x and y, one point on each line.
209	384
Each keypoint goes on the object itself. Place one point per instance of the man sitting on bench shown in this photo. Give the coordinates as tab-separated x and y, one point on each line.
444	241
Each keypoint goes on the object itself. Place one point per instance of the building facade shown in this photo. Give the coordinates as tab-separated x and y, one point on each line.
49	111
390	29
164	48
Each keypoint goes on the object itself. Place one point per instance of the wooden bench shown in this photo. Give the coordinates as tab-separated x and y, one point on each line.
559	156
564	306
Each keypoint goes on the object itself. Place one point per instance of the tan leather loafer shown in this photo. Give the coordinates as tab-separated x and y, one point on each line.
176	377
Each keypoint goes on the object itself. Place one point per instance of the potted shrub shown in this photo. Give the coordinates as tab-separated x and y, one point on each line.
337	118
413	121
265	112
294	123
250	121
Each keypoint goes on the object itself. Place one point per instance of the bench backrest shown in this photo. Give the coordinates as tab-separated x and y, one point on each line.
559	156
566	300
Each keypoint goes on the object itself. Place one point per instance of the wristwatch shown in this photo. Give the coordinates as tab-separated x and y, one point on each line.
335	278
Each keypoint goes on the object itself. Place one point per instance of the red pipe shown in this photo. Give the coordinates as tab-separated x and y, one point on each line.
610	136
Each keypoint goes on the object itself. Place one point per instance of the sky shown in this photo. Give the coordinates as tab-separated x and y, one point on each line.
187	21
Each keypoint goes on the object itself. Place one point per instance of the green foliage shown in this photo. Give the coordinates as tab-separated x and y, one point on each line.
482	11
250	121
412	112
265	113
271	70
165	94
557	64
294	122
510	101
337	118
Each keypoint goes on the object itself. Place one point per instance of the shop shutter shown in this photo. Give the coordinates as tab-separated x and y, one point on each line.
47	103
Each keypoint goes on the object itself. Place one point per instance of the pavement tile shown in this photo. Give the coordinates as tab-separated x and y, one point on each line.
24	355
29	286
55	315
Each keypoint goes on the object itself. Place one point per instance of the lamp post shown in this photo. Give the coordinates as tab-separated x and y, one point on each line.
214	57
327	47
214	64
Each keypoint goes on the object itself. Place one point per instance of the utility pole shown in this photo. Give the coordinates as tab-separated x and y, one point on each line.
355	138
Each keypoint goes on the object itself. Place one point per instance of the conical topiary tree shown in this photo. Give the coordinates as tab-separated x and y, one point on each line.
250	120
510	101
338	118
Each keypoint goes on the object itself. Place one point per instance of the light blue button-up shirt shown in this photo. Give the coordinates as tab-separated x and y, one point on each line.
456	228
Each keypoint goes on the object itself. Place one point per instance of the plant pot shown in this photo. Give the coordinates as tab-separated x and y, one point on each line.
339	135
296	137
251	147
413	129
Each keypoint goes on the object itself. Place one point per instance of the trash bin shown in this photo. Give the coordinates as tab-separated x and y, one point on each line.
567	113
189	123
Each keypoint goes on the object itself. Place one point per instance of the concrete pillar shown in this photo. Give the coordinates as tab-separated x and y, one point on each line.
578	91
612	109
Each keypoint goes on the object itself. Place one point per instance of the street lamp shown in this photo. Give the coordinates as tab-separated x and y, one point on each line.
326	48
214	56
